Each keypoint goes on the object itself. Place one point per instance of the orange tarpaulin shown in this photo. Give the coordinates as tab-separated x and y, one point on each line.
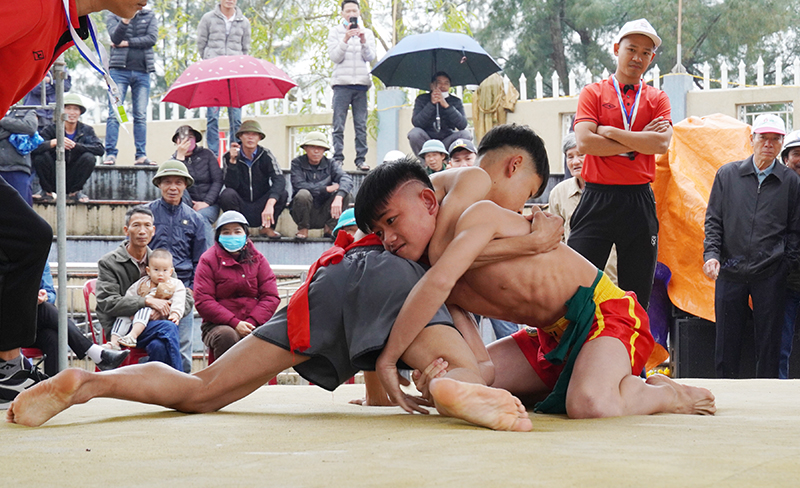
684	176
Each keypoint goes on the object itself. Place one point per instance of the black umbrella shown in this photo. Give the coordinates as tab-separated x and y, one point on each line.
414	60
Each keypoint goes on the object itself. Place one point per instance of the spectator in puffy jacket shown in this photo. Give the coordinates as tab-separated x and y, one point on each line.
254	182
82	146
15	167
202	196
223	32
181	231
235	288
350	47
321	188
131	62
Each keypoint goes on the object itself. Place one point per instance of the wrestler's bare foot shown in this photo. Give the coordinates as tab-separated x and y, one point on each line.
482	405
688	399
39	404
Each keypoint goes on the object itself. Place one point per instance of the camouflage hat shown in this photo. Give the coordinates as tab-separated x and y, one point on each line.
173	167
250	126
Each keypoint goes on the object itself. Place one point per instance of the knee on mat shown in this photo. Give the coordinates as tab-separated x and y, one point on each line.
590	405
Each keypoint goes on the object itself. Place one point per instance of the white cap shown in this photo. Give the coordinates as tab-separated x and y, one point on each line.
639	26
769	123
393	155
792	140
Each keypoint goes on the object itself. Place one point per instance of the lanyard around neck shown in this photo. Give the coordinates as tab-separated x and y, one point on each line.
96	62
628	118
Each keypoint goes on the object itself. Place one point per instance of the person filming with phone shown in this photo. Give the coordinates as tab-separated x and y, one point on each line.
351	46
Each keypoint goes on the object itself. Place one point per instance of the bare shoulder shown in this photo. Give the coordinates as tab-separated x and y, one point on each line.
488	215
463	184
461	189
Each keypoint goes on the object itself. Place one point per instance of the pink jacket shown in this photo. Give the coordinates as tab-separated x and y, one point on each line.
227	292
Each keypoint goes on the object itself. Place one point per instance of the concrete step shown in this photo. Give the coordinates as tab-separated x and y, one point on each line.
285	252
107	218
135	183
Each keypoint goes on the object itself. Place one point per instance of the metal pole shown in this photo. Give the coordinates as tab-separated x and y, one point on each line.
679	64
61	213
680	31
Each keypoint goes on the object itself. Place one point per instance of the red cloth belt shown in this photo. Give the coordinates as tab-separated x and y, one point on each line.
297	315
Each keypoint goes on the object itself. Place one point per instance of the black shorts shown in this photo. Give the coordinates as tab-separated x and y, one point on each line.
353	306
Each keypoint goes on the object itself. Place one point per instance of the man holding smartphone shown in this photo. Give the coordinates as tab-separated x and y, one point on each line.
351	47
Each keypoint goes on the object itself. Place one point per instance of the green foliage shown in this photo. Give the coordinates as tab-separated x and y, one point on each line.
576	35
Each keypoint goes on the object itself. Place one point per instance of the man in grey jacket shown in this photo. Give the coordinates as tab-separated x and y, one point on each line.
752	241
131	62
350	47
223	31
117	271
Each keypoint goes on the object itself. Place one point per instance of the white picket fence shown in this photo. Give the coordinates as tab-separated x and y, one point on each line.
319	101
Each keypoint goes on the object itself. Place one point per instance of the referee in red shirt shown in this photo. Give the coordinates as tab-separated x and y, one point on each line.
621	124
32	35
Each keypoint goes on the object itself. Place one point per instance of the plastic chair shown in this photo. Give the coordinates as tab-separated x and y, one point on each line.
32	352
99	336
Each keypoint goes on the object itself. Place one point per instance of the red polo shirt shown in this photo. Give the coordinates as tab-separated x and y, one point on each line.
599	103
33	33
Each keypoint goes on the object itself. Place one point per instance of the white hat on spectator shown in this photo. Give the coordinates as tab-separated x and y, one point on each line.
393	155
639	26
769	123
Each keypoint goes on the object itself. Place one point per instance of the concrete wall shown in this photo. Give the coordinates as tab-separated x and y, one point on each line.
706	102
545	116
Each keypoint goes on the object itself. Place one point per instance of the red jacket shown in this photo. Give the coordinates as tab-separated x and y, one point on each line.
33	33
227	292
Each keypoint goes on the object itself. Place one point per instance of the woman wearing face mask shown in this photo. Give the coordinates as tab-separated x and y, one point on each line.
235	289
204	168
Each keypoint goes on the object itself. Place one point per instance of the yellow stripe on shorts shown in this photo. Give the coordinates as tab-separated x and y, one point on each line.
637	323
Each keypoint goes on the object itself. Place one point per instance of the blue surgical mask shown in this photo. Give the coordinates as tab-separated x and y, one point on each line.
233	243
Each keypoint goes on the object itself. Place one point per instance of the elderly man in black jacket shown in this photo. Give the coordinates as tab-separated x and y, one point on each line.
254	182
752	225
81	150
321	189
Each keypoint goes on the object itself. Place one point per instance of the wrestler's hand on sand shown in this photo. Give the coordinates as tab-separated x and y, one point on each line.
422	379
375	394
546	230
386	369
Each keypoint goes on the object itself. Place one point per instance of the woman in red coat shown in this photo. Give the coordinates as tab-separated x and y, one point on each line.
234	287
